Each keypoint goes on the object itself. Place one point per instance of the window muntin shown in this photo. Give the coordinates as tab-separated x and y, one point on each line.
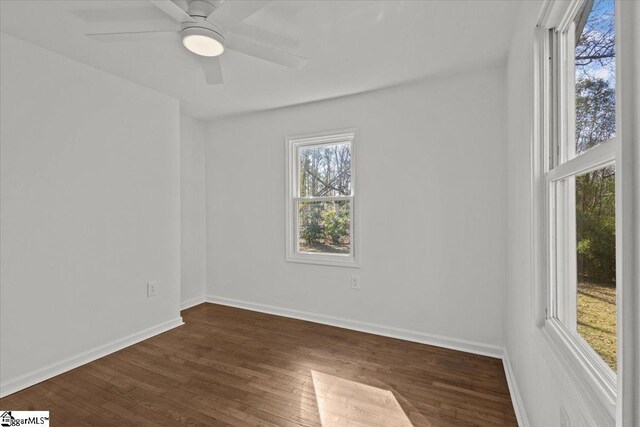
581	186
321	205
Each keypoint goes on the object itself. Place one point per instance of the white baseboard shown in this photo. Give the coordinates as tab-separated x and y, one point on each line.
404	334
50	371
518	404
27	380
192	302
386	331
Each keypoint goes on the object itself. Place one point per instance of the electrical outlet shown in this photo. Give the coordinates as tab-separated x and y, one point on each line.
355	282
152	289
564	418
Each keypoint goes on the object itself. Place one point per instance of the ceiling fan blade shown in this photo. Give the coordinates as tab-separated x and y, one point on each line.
212	69
265	52
254	33
135	36
119	14
173	10
237	11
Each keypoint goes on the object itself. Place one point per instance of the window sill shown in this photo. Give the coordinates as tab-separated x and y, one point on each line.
599	397
329	260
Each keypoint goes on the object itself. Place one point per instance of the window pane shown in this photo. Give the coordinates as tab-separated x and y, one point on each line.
595	77
596	261
325	170
324	227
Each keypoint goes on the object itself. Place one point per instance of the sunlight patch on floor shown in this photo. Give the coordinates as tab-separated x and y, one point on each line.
344	402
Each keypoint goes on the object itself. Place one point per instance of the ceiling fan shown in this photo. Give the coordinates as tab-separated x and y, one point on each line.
207	28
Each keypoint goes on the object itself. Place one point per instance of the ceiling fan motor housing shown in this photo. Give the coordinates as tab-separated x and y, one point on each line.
205	28
199	10
202	8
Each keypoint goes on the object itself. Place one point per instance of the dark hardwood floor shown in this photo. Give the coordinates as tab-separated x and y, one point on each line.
228	366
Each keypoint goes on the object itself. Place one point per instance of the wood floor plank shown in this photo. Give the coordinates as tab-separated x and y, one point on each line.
232	367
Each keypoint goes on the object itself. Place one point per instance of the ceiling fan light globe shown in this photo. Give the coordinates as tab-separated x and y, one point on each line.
202	41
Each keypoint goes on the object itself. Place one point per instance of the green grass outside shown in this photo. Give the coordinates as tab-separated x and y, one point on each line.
597	319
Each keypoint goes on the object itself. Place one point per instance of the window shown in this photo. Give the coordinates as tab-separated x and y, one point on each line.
321	199
581	186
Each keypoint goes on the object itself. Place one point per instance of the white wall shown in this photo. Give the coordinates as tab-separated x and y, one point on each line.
432	181
90	210
544	384
539	390
193	217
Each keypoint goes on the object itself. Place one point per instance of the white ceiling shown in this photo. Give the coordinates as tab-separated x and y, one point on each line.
353	46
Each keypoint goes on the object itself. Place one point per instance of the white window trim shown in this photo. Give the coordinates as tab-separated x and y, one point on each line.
628	209
579	360
291	178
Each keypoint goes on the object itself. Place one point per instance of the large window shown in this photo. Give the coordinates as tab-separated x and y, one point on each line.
581	187
321	202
